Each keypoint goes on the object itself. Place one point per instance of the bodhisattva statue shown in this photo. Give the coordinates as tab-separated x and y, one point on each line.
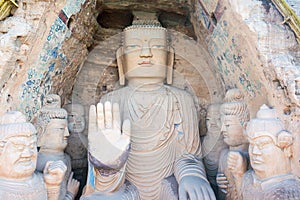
52	139
18	157
213	143
234	116
77	142
270	150
147	132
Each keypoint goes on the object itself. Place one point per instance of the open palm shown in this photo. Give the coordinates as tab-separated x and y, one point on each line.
108	143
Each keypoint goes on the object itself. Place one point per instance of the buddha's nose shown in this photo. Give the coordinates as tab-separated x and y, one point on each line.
66	133
146	52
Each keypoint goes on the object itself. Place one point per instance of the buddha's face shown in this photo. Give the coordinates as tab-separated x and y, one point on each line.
213	121
56	135
266	157
76	122
232	130
145	53
18	158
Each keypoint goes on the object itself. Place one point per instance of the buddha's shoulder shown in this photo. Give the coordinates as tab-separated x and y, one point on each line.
115	94
178	91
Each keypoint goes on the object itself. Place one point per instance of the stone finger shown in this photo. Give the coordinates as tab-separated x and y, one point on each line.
100	116
108	114
116	117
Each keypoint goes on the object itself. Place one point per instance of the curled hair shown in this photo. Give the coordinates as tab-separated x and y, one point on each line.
51	110
147	25
236	105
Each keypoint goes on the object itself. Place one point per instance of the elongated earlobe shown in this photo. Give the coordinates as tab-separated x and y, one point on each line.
170	65
120	61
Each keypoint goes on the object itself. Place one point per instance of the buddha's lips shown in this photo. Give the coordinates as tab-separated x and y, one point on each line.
145	63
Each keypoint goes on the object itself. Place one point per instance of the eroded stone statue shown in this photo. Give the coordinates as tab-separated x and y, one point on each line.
52	139
77	142
234	116
143	138
270	150
18	156
213	143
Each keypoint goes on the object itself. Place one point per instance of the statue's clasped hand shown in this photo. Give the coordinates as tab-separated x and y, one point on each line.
54	173
109	144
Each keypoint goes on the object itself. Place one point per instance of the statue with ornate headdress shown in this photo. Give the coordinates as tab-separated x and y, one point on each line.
18	159
270	151
144	138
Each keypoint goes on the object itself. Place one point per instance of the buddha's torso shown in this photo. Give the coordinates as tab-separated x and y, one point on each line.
155	119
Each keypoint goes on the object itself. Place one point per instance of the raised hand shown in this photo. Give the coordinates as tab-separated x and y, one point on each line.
73	185
108	144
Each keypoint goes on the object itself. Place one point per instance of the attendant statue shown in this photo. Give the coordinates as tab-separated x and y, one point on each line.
77	142
213	143
144	138
18	157
52	139
270	150
234	116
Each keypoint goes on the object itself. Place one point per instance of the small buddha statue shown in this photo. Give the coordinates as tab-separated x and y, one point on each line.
18	157
234	116
52	139
144	138
77	142
270	151
213	143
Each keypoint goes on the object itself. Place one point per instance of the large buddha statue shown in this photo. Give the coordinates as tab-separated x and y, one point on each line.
234	117
18	157
270	151
144	137
52	139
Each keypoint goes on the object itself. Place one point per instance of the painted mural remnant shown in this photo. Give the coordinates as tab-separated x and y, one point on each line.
51	61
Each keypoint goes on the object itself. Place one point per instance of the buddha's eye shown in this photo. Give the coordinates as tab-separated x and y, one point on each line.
158	46
134	46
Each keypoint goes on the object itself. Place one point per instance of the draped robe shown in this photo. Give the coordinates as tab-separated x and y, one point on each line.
164	139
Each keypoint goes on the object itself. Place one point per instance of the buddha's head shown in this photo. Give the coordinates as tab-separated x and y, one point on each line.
145	53
269	144
213	120
52	127
18	150
76	121
234	116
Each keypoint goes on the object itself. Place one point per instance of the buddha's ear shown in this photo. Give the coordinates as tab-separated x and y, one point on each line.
120	63
170	60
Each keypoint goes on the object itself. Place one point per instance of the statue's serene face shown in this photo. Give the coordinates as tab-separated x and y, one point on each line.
213	121
232	130
265	155
145	53
56	135
76	122
18	158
